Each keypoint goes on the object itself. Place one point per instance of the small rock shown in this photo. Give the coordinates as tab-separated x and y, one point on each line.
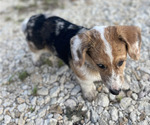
53	78
7	119
58	117
75	118
62	79
53	121
36	78
145	122
120	114
125	102
129	93
134	86
130	108
20	100
0	101
40	101
114	114
21	120
133	116
125	86
62	70
47	99
134	96
112	97
39	121
69	85
42	112
75	90
1	110
22	107
70	103
103	100
128	78
101	122
1	117
43	91
33	101
94	116
54	91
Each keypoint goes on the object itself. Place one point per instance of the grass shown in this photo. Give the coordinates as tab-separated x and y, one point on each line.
8	18
11	79
32	109
60	63
76	111
34	91
119	98
23	75
48	62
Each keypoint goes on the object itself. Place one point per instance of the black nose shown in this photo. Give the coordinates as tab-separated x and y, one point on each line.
114	91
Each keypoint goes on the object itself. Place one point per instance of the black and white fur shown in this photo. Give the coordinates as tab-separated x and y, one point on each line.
50	34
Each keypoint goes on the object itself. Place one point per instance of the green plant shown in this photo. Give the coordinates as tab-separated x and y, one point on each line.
23	75
60	63
32	109
34	91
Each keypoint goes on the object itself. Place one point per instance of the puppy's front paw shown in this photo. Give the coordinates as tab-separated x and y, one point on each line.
90	95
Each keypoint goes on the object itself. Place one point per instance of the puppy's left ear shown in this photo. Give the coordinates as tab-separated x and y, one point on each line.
131	35
80	44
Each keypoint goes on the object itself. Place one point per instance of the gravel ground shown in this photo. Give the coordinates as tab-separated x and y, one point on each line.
50	95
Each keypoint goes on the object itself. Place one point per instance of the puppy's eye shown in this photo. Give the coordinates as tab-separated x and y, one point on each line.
120	63
101	66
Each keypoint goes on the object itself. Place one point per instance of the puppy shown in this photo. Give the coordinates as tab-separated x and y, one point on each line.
94	54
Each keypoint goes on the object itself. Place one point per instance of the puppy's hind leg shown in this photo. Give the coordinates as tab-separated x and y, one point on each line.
36	54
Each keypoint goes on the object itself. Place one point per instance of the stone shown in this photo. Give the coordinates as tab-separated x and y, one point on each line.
42	112
1	117
103	100
134	86
112	97
53	121
125	102
36	78
62	70
94	116
134	96
21	120
33	101
144	106
125	86
75	90
47	99
1	110
39	121
22	107
40	101
7	119
114	114
70	103
20	100
53	78
133	116
69	85
54	91
43	91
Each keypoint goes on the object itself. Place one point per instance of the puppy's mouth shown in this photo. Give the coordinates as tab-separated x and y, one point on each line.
115	92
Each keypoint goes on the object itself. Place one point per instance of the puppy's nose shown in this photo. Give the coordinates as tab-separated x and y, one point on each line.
114	91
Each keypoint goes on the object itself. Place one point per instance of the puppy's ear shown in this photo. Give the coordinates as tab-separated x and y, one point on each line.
131	35
80	44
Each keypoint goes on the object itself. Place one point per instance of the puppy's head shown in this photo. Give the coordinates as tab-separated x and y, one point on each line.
107	47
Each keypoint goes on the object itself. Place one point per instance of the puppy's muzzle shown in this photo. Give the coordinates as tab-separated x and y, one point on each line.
114	91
